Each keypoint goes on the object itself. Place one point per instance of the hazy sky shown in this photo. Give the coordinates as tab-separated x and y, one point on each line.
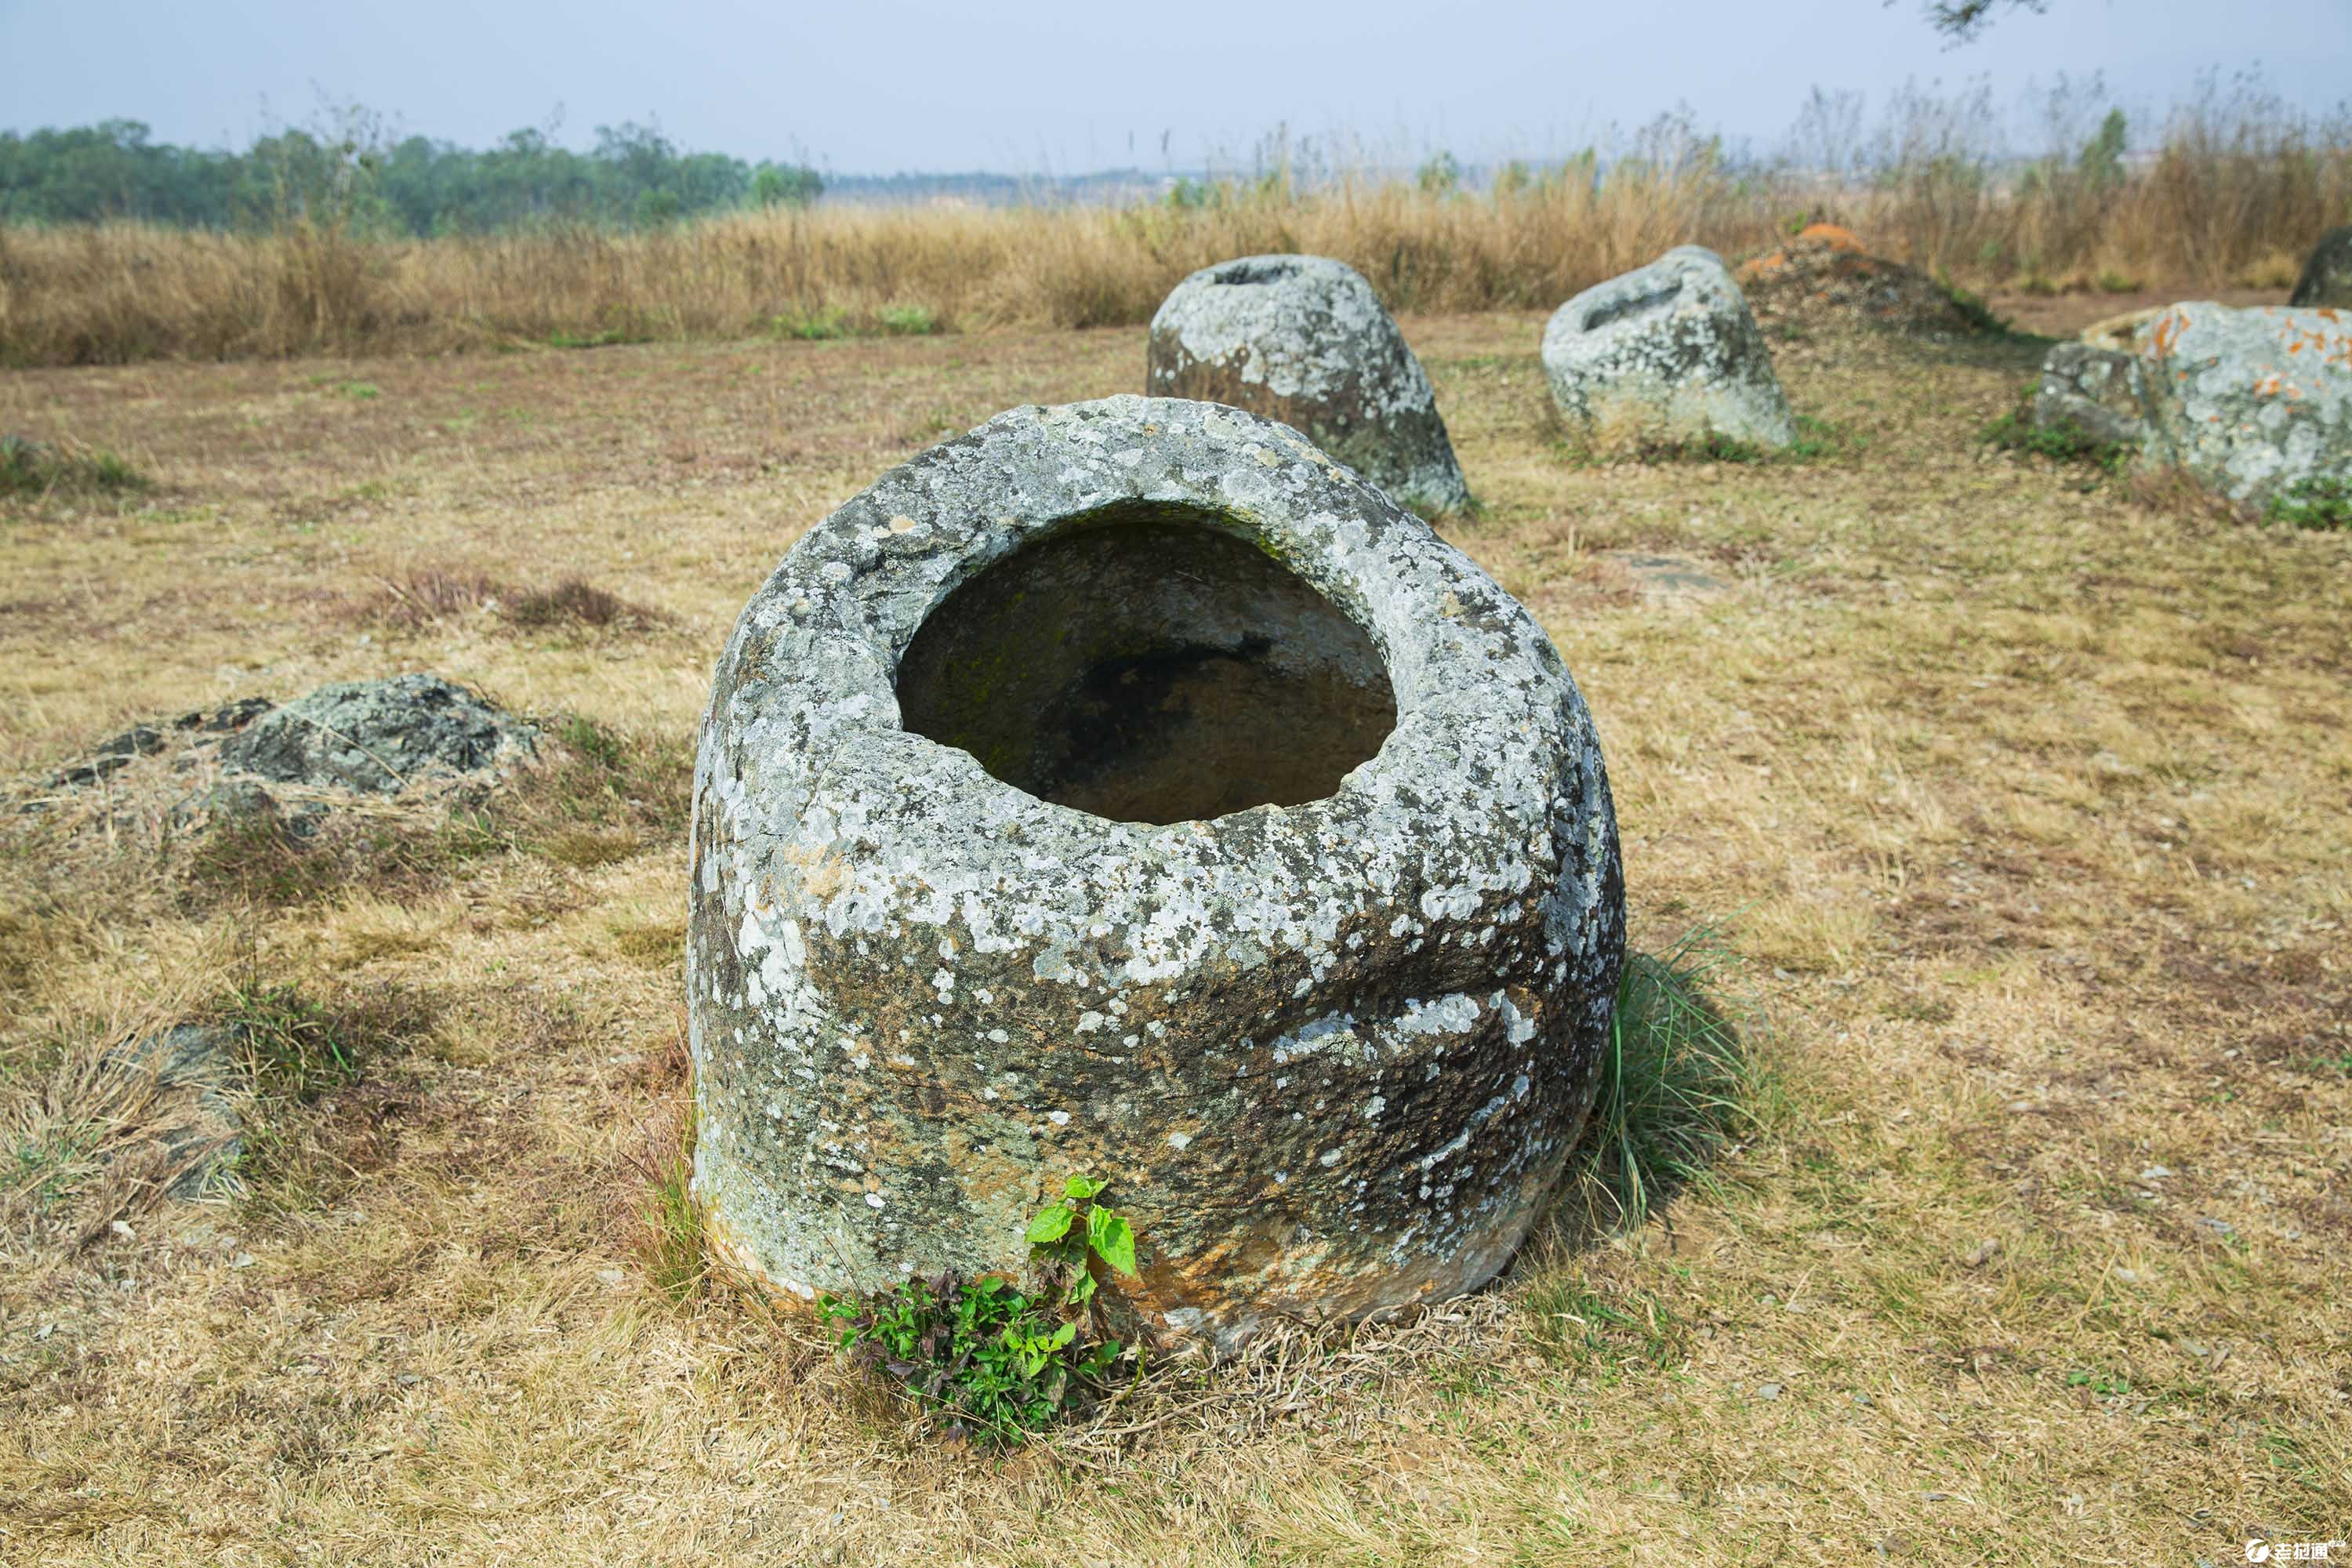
1055	88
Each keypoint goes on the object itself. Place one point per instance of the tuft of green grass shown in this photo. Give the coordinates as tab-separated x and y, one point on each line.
670	1245
1680	1084
1974	313
2320	502
1576	1326
1816	440
34	468
2063	441
300	1049
816	325
357	390
906	320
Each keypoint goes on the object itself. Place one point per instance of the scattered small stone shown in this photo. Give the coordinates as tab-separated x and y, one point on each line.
610	1276
1985	1252
2155	1173
2220	1227
242	1260
1768	1390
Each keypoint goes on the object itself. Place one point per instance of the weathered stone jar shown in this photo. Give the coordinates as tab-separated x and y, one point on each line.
1305	340
1667	355
1129	788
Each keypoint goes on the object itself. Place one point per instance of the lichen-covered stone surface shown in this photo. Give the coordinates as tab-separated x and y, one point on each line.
380	737
1305	340
1665	355
2096	390
2326	280
1331	1055
2248	402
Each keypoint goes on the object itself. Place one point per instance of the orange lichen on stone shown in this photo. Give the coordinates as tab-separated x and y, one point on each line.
1837	237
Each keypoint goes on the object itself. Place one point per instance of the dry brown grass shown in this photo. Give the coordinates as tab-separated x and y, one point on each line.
2235	199
2025	798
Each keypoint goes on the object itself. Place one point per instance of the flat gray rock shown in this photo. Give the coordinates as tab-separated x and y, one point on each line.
1130	788
2248	402
380	737
1668	355
1305	340
2326	280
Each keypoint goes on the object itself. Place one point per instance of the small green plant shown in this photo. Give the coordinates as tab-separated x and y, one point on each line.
906	320
2318	502
34	468
2063	441
357	390
814	325
2106	1385
1000	1362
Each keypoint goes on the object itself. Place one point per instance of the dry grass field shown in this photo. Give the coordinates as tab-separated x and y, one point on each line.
2023	797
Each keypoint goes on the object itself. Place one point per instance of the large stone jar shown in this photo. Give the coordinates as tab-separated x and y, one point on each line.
1305	340
1129	788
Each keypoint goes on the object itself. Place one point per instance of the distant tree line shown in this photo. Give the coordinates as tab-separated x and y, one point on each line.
634	177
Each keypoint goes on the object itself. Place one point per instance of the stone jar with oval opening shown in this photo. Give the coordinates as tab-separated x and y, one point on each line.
1129	788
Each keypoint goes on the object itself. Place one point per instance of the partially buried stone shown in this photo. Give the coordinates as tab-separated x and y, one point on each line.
1664	356
231	800
380	737
2094	390
198	1127
1274	881
1305	340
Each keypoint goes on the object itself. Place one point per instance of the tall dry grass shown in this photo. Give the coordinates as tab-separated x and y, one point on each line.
2228	200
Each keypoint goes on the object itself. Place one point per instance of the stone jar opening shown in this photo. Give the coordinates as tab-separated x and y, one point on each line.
1241	274
1150	663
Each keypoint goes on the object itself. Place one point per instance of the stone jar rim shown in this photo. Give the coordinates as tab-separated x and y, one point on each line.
813	748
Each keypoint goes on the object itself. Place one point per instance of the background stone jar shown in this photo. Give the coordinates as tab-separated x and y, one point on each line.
1129	788
1305	340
